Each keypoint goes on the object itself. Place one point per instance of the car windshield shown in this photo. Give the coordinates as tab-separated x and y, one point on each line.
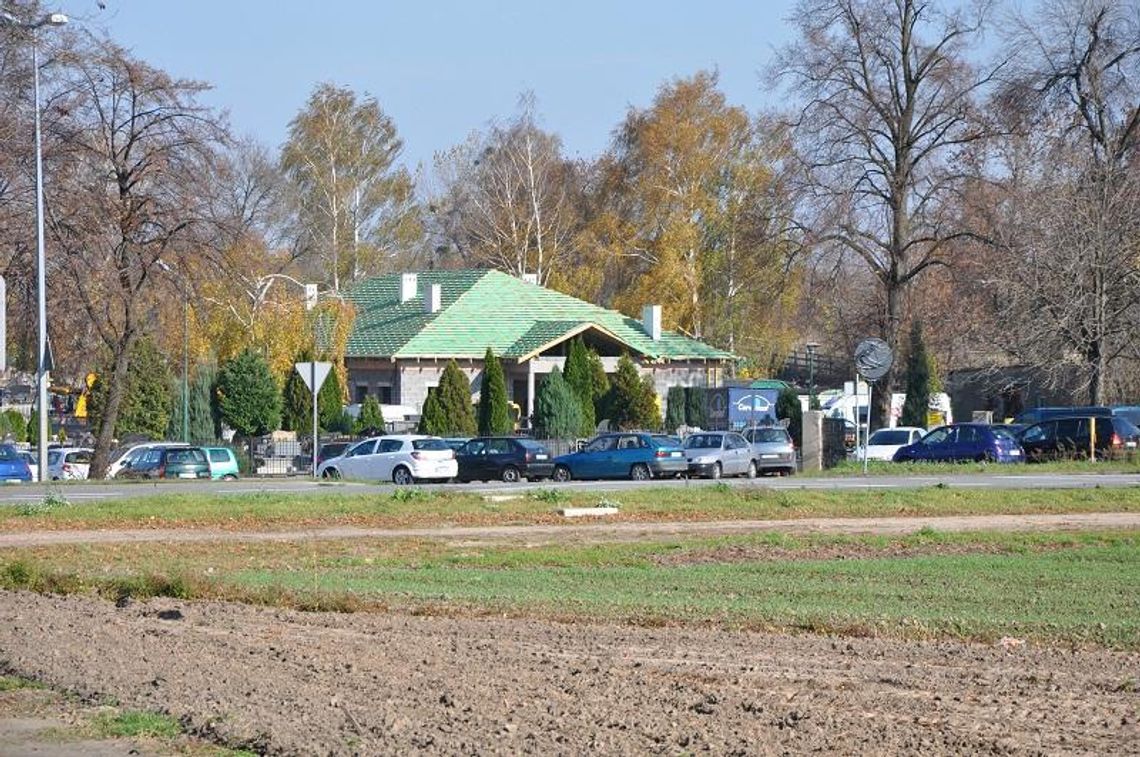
1004	433
766	435
887	436
437	445
53	457
703	441
665	441
8	452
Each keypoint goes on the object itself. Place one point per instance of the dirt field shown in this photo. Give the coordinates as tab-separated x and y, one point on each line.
294	683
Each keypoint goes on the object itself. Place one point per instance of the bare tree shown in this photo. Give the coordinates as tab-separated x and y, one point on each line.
886	109
1070	216
135	170
354	205
509	199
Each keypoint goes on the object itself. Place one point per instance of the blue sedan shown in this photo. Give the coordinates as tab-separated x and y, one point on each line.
963	442
13	467
636	455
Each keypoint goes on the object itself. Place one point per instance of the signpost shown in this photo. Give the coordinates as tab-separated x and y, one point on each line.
314	375
873	358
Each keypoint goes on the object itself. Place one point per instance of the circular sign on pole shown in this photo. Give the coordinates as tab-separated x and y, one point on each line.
873	359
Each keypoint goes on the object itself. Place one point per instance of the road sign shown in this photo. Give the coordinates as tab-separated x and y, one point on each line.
873	359
310	296
313	373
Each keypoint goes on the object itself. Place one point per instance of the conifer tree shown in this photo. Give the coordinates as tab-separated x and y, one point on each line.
432	419
632	402
247	395
788	407
579	376
674	408
557	410
454	400
494	417
371	418
917	401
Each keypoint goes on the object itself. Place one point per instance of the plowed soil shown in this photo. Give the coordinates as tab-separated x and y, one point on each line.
282	682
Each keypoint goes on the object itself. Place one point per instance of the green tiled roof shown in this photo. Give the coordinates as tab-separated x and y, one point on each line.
481	309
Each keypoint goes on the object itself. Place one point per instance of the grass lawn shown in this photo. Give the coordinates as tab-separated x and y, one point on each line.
1070	588
1131	464
422	507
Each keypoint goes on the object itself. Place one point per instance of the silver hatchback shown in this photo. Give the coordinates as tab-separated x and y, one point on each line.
719	453
772	449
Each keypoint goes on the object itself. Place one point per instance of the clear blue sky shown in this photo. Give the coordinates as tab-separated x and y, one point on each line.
442	69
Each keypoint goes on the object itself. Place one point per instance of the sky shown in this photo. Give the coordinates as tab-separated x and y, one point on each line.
443	69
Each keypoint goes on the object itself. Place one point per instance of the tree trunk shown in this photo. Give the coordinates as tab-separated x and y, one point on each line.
117	384
880	412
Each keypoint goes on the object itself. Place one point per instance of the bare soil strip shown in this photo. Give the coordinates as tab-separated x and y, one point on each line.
616	531
306	683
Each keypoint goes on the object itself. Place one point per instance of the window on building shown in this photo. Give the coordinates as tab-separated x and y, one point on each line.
385	394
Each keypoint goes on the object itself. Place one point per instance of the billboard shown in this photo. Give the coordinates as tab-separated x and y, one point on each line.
737	407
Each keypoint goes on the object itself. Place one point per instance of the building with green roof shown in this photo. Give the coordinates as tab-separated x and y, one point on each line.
409	325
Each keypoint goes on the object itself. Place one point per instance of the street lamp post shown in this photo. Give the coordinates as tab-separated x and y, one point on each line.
42	377
811	348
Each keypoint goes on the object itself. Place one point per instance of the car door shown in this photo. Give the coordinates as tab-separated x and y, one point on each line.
937	445
589	462
498	456
389	454
352	466
623	456
1038	440
469	459
1072	438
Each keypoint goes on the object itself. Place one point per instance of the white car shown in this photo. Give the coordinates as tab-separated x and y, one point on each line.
69	463
135	453
33	461
886	441
402	459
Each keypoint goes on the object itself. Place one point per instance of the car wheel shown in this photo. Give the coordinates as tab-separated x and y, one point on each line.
984	458
402	476
561	473
229	477
639	472
511	474
752	469
716	471
330	473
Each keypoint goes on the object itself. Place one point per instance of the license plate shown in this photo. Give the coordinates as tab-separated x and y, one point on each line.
540	457
1130	445
674	454
1015	453
768	457
188	475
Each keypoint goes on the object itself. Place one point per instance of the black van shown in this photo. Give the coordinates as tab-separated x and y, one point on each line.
1069	438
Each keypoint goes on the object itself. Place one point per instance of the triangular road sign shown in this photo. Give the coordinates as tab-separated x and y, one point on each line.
313	371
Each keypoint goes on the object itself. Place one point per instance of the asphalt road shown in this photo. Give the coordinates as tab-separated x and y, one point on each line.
82	491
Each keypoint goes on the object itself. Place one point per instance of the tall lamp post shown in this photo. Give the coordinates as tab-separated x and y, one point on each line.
42	369
811	348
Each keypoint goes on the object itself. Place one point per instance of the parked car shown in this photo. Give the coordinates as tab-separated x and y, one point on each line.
456	442
167	462
1071	438
133	453
69	463
506	458
223	463
1038	414
402	459
773	449
713	454
33	463
329	450
13	467
636	455
885	442
963	442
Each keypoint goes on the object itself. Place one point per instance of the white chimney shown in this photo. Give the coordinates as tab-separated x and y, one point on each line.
433	297
530	278
651	321
407	287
